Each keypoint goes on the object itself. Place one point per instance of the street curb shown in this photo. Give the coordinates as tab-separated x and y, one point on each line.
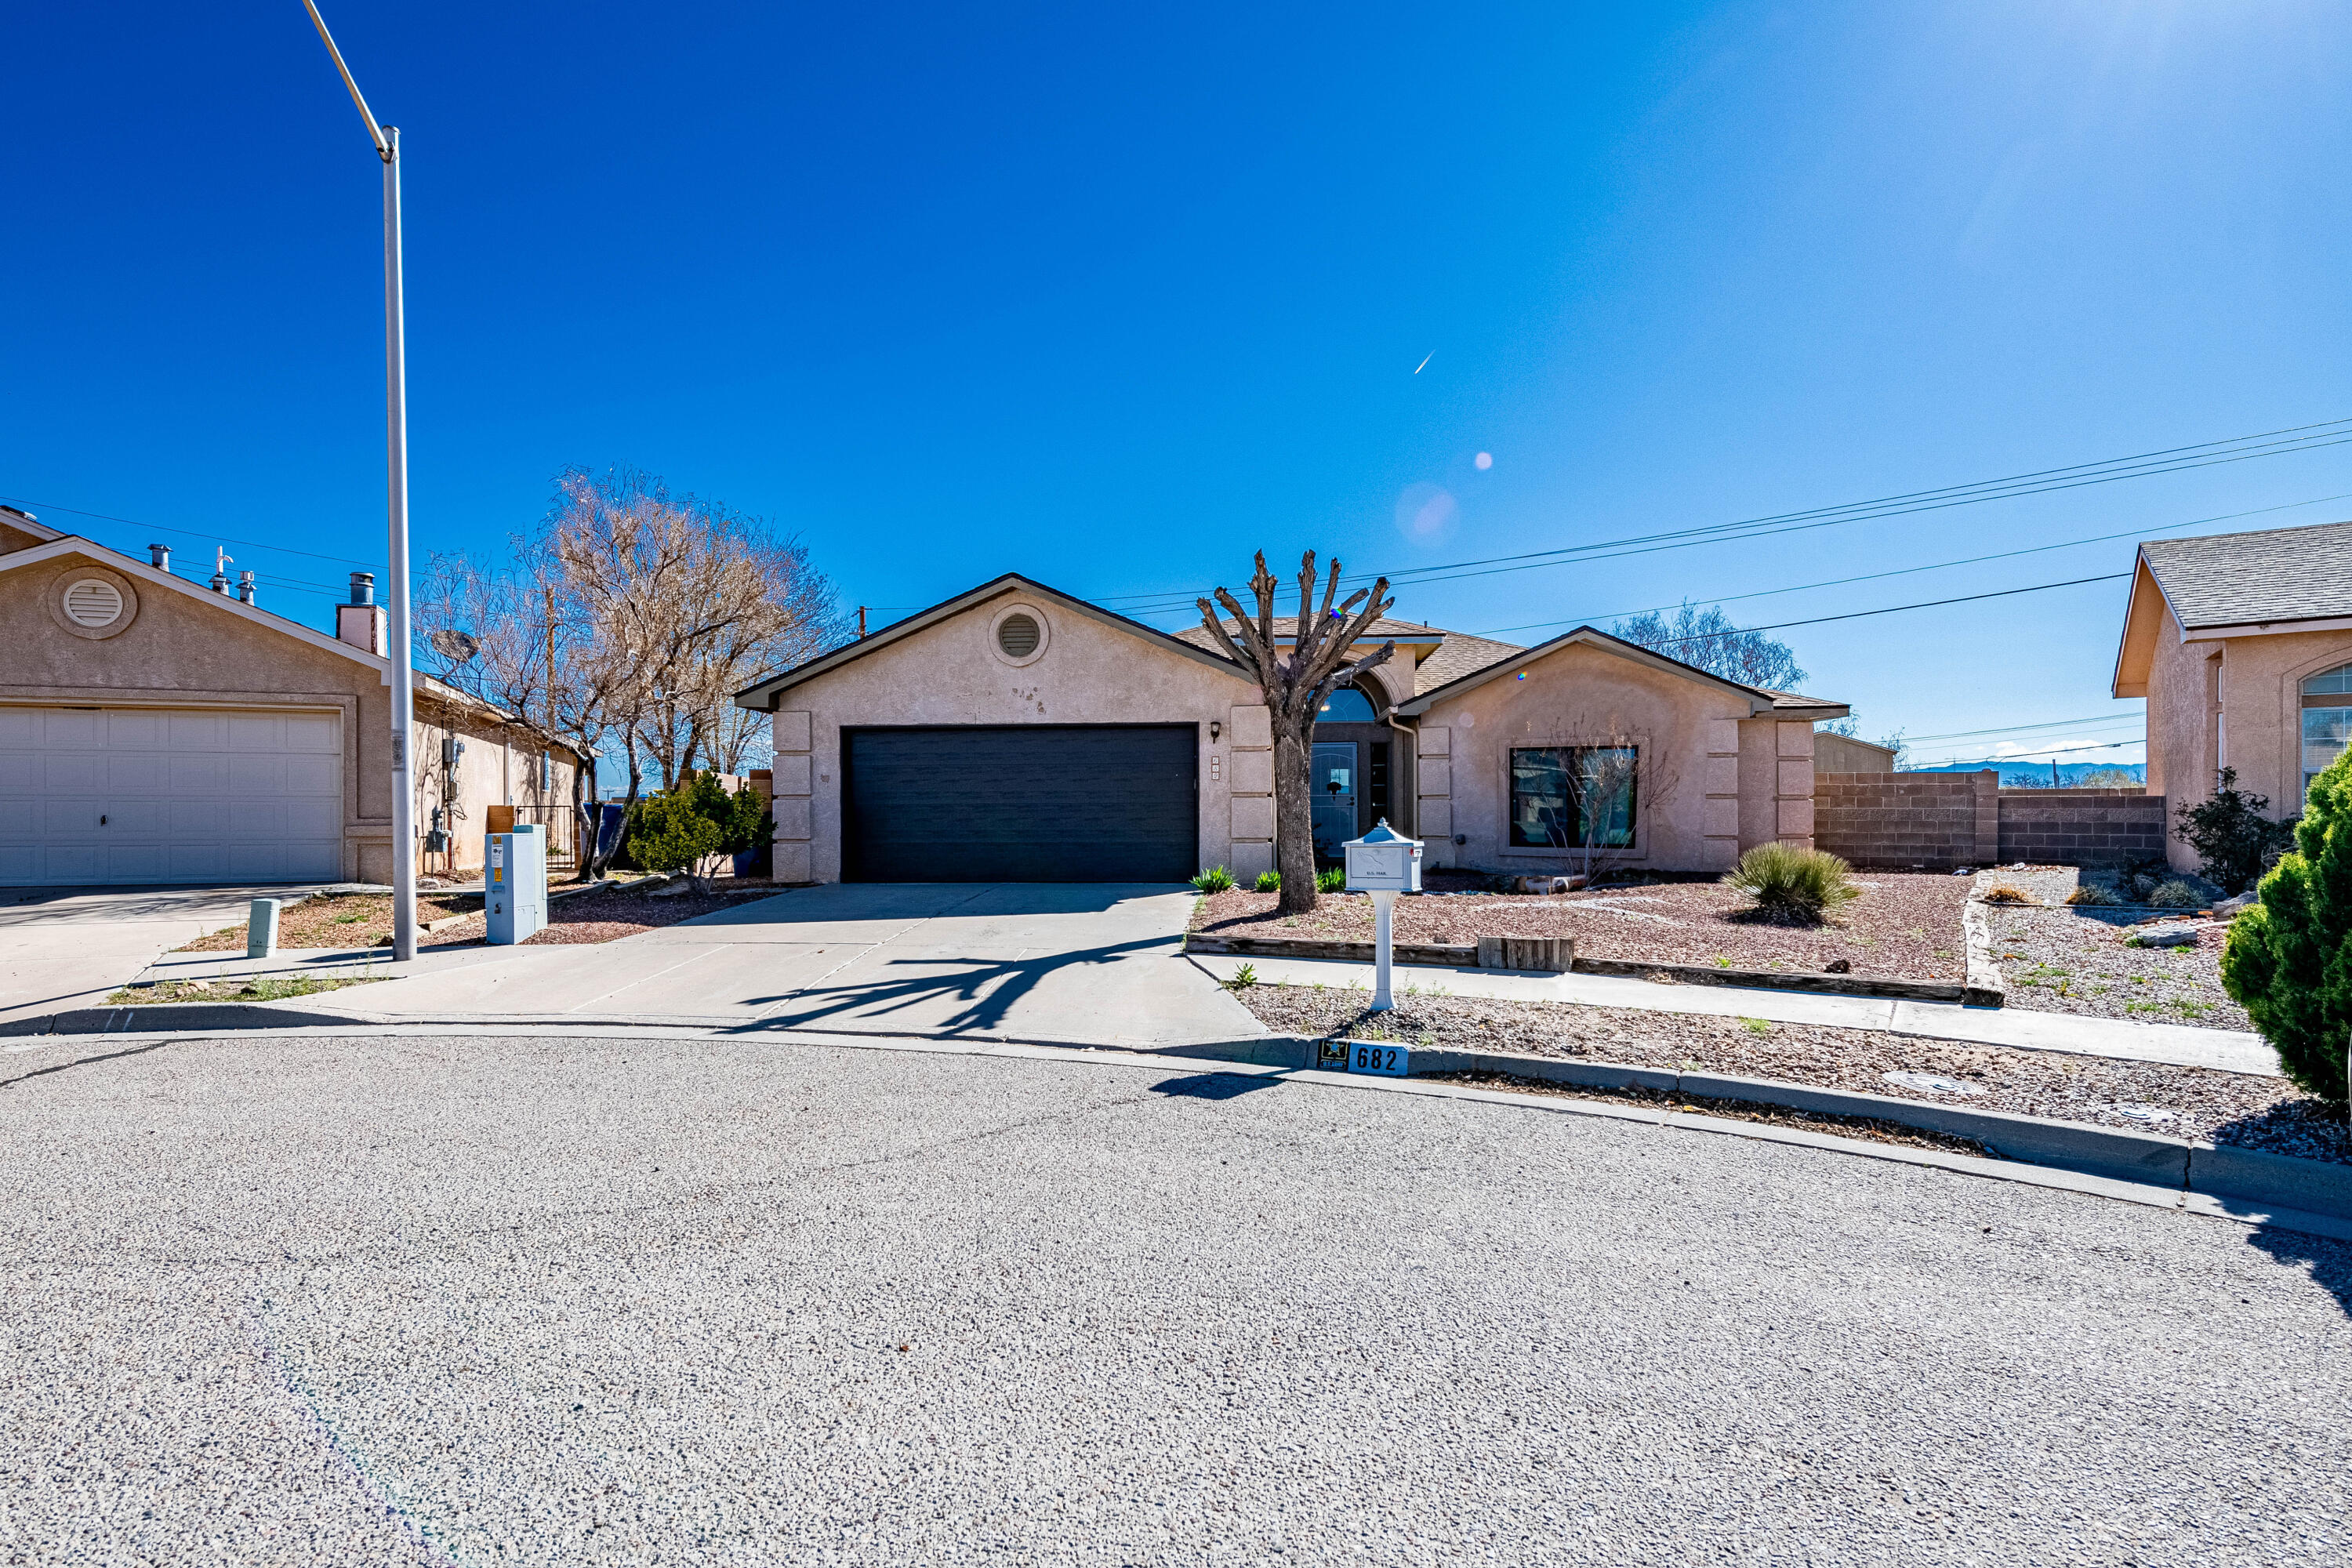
1289	1058
2220	1173
1462	955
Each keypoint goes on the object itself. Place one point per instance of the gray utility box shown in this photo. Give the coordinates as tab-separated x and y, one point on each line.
1384	861
514	884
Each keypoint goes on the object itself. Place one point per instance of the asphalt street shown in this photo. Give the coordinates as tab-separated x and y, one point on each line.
483	1300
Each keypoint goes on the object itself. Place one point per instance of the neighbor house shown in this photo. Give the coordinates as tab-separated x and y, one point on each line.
1015	732
156	730
2241	644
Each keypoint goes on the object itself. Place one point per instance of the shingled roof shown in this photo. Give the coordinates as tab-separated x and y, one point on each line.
2238	579
1455	655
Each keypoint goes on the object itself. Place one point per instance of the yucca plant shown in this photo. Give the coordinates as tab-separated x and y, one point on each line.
1332	879
1215	880
1269	881
1799	886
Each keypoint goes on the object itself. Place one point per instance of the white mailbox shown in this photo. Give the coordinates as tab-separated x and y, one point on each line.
1384	861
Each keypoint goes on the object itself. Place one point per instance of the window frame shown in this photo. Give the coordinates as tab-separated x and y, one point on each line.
1635	841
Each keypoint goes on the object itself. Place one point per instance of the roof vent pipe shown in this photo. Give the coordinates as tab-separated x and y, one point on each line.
158	556
245	587
221	558
363	587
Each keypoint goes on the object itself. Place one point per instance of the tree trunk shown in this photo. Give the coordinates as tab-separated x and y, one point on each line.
1294	823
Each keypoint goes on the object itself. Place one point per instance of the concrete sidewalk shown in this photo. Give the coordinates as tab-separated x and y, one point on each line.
1056	961
62	948
2180	1045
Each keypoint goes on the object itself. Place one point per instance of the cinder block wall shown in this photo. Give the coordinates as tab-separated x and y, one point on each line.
2081	826
1898	821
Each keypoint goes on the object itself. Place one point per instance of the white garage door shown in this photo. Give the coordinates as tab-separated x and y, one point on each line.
147	795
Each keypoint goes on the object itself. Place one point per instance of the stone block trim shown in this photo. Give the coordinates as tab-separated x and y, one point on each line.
793	777
1939	821
1249	734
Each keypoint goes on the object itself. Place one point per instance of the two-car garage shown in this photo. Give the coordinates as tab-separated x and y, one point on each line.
1021	802
95	796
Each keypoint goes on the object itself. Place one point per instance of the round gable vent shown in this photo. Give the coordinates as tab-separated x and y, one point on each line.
1018	635
93	602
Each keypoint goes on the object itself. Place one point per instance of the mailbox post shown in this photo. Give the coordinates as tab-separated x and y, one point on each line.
1382	863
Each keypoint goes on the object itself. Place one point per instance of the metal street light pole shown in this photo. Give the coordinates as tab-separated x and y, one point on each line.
395	421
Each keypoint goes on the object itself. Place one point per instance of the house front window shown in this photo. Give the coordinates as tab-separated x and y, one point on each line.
2326	721
1573	797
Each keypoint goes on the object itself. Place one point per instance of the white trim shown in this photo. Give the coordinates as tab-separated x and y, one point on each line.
2267	629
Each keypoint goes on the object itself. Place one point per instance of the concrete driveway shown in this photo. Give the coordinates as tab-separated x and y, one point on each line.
1092	962
68	947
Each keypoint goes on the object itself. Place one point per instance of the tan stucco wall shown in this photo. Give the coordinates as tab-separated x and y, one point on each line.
501	767
1699	796
1089	673
180	650
2261	729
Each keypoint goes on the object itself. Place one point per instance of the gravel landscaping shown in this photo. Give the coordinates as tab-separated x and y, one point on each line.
2145	1096
364	920
1905	925
2058	958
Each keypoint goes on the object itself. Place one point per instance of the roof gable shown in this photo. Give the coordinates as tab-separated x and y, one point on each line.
1760	702
140	571
2247	579
762	695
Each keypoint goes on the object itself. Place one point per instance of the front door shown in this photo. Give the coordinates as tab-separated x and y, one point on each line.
1334	783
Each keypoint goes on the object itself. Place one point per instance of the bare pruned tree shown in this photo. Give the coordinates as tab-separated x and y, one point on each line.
1295	689
630	617
689	601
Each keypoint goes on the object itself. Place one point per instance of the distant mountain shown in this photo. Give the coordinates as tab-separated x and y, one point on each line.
2016	774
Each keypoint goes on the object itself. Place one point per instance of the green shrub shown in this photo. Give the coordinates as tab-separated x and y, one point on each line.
2289	958
2175	894
1215	880
1268	882
692	826
1332	881
1792	884
2234	841
1243	978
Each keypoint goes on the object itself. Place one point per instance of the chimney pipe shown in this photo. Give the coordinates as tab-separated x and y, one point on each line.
245	587
363	587
158	556
221	558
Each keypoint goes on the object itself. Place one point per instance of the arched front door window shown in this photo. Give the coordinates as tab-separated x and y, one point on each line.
2327	719
1349	770
1346	706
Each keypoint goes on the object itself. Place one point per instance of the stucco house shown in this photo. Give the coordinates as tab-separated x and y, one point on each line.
2242	643
157	730
1016	732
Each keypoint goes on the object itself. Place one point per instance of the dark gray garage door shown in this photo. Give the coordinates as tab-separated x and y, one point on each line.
1026	802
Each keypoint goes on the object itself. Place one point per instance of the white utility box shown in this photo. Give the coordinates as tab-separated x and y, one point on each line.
514	883
1384	861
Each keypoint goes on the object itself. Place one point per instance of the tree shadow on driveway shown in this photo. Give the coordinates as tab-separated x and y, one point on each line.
988	989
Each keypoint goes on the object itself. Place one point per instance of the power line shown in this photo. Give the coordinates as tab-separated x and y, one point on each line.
1889	610
2204	454
183	533
2099	718
1942	565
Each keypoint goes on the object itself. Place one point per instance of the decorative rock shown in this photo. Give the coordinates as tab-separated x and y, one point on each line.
2168	936
1838	966
1546	884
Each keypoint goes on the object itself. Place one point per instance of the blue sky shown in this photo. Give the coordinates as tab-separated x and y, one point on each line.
1116	295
